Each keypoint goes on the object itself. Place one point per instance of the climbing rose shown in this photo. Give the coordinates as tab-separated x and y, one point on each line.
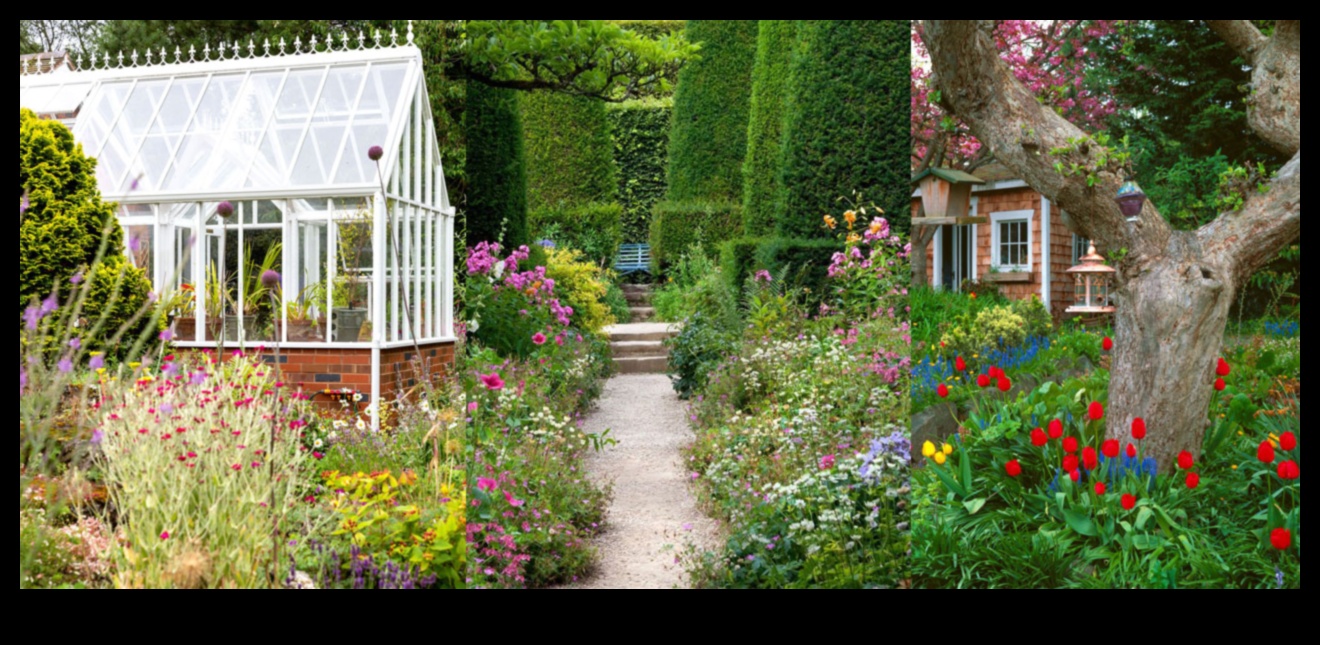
1107	344
1038	437
1013	468
1288	441
1129	501
1110	448
1185	460
1131	451
1289	470
1193	480
1089	458
1138	428
1281	538
1056	429
1096	411
1070	444
1219	385
959	364
374	153
1223	369
1069	463
1005	384
225	210
1099	488
942	390
1265	453
983	381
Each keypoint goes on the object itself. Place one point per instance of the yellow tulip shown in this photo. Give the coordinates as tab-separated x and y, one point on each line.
940	458
927	449
948	450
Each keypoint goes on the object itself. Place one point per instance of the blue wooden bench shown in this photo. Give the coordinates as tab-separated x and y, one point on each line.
633	257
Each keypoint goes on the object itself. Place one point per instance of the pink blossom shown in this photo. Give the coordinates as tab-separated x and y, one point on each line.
492	381
538	338
485	484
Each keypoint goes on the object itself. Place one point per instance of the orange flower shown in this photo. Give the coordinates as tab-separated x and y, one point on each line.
850	217
830	222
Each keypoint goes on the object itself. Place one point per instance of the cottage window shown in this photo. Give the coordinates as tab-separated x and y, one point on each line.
1010	243
1079	245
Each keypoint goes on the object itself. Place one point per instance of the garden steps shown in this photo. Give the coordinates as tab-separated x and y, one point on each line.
638	295
641	314
639	348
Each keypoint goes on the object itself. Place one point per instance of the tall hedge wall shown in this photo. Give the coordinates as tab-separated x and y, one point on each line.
678	225
497	180
709	138
774	52
570	156
847	122
641	146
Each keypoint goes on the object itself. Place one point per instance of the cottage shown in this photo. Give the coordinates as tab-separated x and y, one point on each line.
1019	241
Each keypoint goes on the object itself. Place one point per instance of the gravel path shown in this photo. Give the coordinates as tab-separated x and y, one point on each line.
653	513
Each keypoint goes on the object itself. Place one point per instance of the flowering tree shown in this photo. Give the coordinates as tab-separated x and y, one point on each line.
1175	287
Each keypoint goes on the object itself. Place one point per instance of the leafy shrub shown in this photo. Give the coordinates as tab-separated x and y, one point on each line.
641	154
775	43
935	310
496	167
593	229
617	302
1034	315
581	286
652	28
62	226
693	354
569	151
738	259
709	138
993	328
677	226
846	126
696	284
804	262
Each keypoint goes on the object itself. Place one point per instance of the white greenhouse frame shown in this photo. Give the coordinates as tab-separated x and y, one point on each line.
170	136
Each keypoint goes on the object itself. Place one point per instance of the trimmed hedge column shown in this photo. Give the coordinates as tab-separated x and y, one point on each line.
641	148
570	157
774	52
497	180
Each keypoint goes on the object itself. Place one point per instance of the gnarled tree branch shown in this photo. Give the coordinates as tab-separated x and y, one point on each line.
1249	238
1241	35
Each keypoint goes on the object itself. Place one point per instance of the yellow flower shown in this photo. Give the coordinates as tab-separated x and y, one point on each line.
1234	466
830	222
854	238
927	449
948	450
875	228
850	217
940	458
135	364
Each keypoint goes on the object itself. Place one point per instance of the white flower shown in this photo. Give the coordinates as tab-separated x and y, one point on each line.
361	425
317	444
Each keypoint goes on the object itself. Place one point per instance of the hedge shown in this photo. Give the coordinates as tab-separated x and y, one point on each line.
765	128
738	259
61	229
675	226
709	138
847	123
641	147
496	171
805	262
593	229
570	155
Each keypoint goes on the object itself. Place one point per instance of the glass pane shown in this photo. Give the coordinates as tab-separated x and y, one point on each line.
155	154
139	243
268	212
317	153
207	159
102	107
340	94
306	311
177	108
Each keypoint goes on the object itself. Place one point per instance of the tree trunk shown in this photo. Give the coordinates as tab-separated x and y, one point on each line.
1169	330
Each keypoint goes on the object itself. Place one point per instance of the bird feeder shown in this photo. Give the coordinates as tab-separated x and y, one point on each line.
945	196
1092	280
1130	199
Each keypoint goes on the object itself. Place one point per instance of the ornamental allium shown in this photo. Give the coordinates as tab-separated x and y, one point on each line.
1288	441
959	364
97	362
270	279
1185	460
1110	448
374	153
1281	538
1038	438
1089	458
1056	428
1289	470
1107	344
1223	368
1138	428
1193	480
1070	444
1013	468
1100	488
1265	452
1095	411
942	390
983	381
1129	501
225	210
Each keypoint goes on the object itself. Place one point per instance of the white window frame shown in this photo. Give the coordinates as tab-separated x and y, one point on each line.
937	278
1078	252
1011	216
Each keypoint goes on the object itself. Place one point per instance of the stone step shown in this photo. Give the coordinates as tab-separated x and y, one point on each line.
641	314
638	299
636	288
638	348
641	331
642	365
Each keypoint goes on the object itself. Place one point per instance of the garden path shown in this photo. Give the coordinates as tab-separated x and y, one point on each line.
653	513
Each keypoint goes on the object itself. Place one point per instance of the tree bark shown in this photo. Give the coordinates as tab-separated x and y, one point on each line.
1176	287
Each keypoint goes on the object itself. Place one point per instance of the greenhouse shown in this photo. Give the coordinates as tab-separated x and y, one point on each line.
286	195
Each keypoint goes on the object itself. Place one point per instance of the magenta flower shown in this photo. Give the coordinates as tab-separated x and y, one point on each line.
485	484
827	462
508	497
30	317
538	338
164	535
225	210
374	153
492	381
472	407
49	305
65	365
75	343
166	336
77	278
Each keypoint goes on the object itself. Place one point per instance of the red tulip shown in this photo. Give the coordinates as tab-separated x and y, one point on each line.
1099	488
1138	428
1038	438
1096	411
1070	444
1089	458
1013	468
942	390
1110	448
1288	441
1129	501
1075	475
1219	385
1056	429
1281	538
994	372
983	381
1289	470
1193	480
1070	463
1222	369
959	364
1265	453
1185	460
1131	451
1107	344
1005	384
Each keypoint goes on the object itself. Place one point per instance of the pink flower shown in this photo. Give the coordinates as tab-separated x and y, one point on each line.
492	381
827	462
164	535
472	407
485	484
538	338
508	497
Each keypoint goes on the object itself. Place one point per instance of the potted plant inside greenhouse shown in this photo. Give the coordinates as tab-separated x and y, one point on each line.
350	292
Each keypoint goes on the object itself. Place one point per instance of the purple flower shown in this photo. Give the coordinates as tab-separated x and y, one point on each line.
97	362
135	244
166	336
49	305
171	370
22	381
271	279
23	204
198	378
75	343
374	153
65	365
30	317
77	278
97	437
225	210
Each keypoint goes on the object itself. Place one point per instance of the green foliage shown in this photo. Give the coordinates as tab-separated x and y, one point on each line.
497	183
1034	315
505	329
935	310
677	226
846	127
802	262
582	286
693	354
696	285
738	259
652	28
992	328
593	229
569	150
616	301
709	138
61	231
761	177
641	147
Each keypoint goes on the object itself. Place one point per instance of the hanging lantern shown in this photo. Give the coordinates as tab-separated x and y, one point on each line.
1130	199
1092	280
